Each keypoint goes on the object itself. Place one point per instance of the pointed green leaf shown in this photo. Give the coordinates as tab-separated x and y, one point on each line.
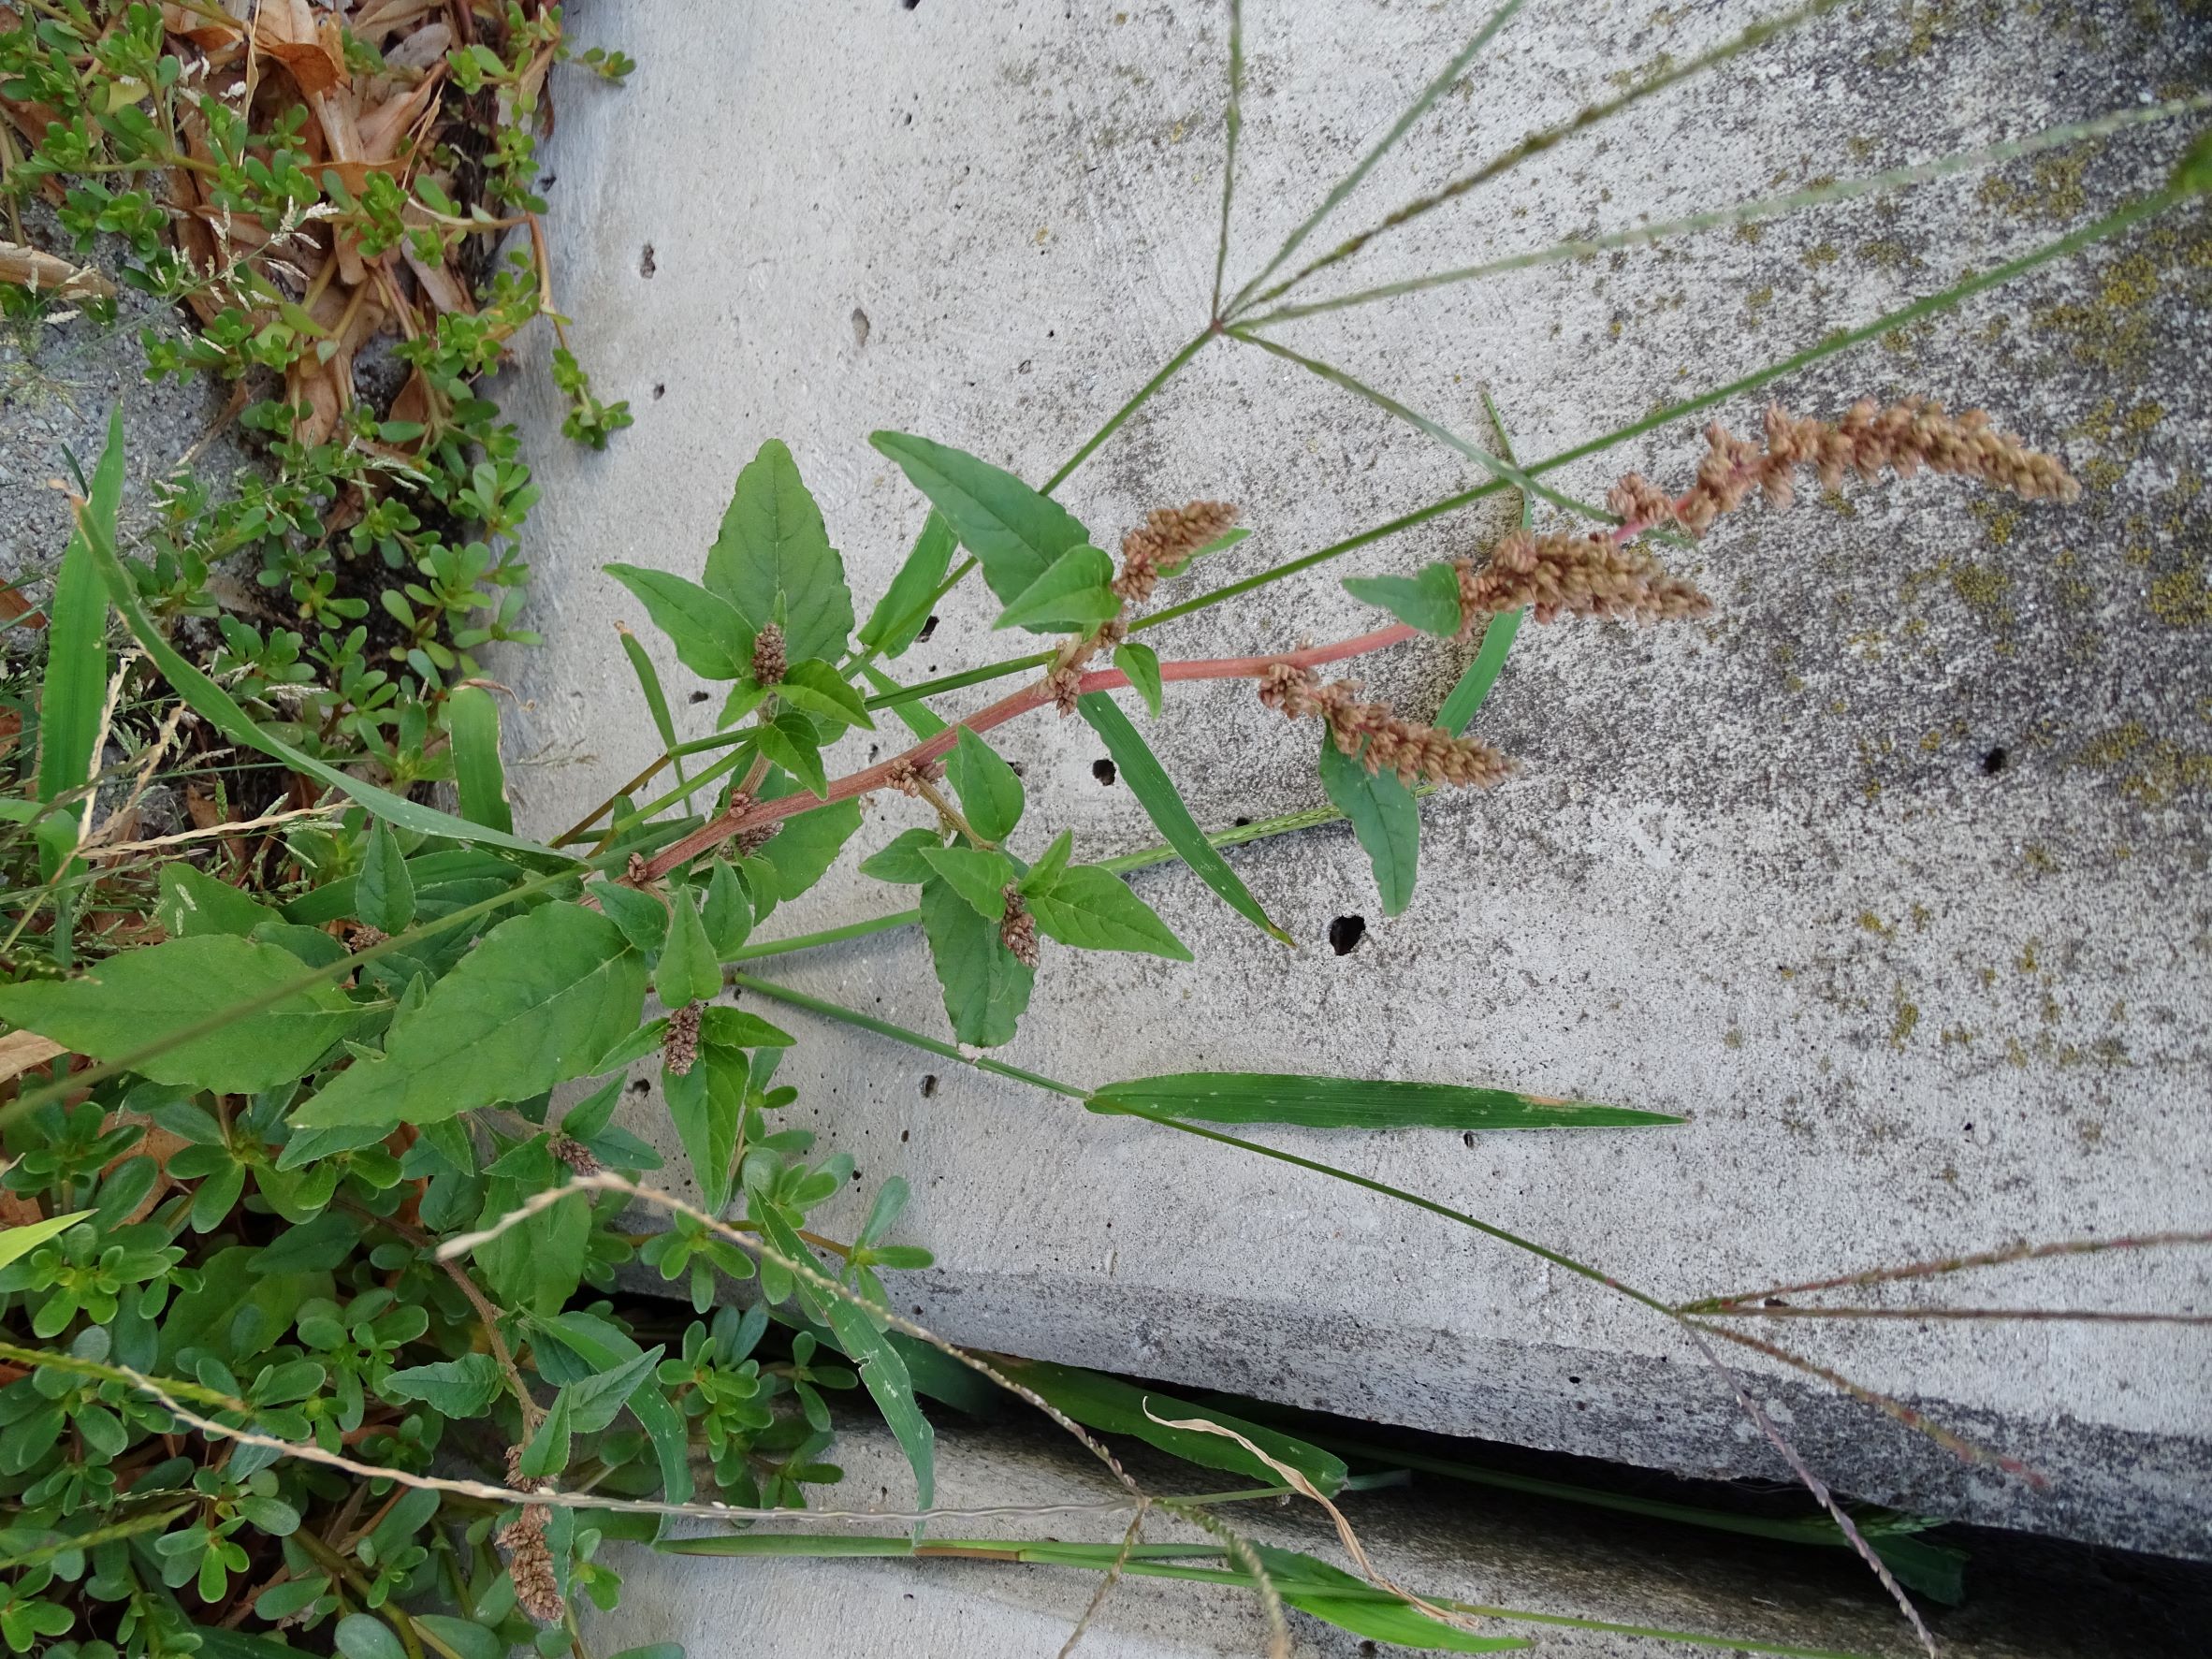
1117	1407
535	1003
689	971
727	913
459	1388
1386	817
20	1241
1474	685
549	1449
985	988
216	706
1048	867
1140	768
773	550
804	847
1428	599
630	1048
902	862
711	638
737	1027
1013	531
384	893
989	790
192	904
1093	910
912	712
814	686
1359	1103
130	999
473	719
74	693
597	1401
705	1104
745	696
978	877
1140	662
1072	592
642	918
648	682
791	743
903	611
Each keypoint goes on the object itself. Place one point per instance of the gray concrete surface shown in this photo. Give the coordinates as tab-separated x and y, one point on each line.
1891	878
1483	1547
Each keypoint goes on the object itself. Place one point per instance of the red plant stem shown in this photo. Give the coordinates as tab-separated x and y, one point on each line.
716	830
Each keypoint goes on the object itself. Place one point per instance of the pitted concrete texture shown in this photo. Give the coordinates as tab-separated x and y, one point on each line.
1891	878
2025	1599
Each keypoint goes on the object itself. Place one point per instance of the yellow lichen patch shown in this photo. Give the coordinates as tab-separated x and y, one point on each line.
2000	520
2182	598
1827	254
2150	770
1869	922
2052	196
1905	1017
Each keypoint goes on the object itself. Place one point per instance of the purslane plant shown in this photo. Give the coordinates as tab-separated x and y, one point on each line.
310	1195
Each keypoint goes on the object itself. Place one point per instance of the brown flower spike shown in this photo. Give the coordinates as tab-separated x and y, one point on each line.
1168	537
1393	745
1017	932
530	1559
680	1044
768	661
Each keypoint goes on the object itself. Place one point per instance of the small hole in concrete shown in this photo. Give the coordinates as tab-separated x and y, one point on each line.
1019	768
928	1086
909	6
1468	1139
1574	1380
928	628
660	390
703	696
1345	932
856	1174
646	264
1103	771
904	1136
1994	762
640	1086
1243	823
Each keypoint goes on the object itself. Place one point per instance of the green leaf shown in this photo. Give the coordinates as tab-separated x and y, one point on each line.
130	999
705	1104
809	843
1428	599
989	790
791	743
1384	814
459	1388
20	1241
384	893
912	712
74	693
643	1041
192	904
466	1638
903	611
985	987
1140	768
597	1401
710	636
1359	1103
1072	592
737	1027
978	877
902	862
548	1450
542	996
1397	1622
727	913
642	918
360	1637
1013	531
473	719
1140	662
1117	1407
882	1372
213	703
236	1314
689	971
814	686
1050	864
648	682
1474	685
773	551
1093	910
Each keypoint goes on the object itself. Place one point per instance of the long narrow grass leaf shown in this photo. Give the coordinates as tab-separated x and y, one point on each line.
1155	792
648	682
1232	123
473	719
1358	1103
1350	181
75	688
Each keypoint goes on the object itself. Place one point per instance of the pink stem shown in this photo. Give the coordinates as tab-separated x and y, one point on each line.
718	830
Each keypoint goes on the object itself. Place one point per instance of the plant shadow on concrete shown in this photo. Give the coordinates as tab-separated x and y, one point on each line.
309	1195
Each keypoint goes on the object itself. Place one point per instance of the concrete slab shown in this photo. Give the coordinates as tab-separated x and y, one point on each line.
1892	878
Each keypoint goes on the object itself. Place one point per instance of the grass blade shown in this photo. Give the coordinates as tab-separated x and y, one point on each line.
213	703
1140	768
75	688
649	681
1473	686
1749	212
473	719
1233	121
1358	1103
1350	181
